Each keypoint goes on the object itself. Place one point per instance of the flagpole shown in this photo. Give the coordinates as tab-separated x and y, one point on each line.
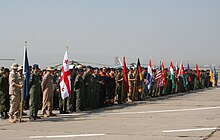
21	95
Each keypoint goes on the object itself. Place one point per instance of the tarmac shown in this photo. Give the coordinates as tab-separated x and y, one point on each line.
182	116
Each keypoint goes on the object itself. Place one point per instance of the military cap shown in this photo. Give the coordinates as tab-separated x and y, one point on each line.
36	66
49	68
14	66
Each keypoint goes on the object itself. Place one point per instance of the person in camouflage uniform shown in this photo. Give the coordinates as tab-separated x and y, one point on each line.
119	83
15	93
79	88
4	94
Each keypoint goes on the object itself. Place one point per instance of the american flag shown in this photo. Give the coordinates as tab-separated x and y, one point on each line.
158	75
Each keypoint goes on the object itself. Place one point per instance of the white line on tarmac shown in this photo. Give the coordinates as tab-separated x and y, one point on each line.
163	111
66	136
189	130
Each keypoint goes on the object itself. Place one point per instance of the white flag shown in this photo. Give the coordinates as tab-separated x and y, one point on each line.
65	83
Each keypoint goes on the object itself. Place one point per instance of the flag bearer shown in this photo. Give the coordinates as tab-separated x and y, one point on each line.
14	92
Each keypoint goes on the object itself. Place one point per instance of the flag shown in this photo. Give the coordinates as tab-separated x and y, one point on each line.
182	75
158	76
149	76
211	75
26	72
188	67
125	75
65	83
139	76
159	73
163	74
172	75
197	72
215	75
139	70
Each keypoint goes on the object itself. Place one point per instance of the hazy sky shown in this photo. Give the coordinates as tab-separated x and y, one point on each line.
99	30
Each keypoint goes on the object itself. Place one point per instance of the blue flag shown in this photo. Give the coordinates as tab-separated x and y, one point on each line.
149	76
188	67
26	72
215	74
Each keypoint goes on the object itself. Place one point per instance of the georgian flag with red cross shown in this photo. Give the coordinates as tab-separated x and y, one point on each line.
65	83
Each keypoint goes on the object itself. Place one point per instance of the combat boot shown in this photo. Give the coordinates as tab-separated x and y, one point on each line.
11	120
6	115
2	115
15	119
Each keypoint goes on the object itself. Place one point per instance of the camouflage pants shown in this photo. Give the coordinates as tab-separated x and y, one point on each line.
14	105
47	103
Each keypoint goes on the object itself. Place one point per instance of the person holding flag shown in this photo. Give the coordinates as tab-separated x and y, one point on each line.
65	83
14	92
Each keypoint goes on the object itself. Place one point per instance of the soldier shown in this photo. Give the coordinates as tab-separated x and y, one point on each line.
103	83
97	87
14	92
119	81
131	82
72	97
87	77
56	92
80	91
111	86
4	95
47	88
25	105
35	90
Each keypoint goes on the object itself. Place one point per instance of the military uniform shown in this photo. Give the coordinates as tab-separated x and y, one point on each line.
80	93
72	98
35	90
96	81
131	83
4	96
47	88
103	84
119	79
88	90
111	88
15	93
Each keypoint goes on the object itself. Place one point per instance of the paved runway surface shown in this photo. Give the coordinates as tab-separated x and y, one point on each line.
194	116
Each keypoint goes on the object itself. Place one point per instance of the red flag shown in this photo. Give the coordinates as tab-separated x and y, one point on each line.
181	71
65	83
125	75
163	74
197	72
177	69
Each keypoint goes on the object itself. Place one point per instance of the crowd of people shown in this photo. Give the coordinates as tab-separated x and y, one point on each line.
91	88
